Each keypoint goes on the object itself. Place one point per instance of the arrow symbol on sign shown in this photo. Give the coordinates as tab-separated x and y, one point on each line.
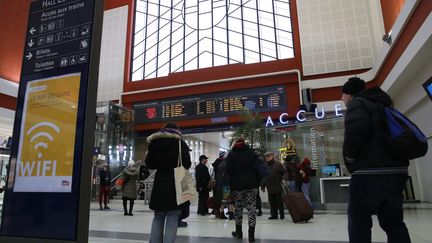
32	30
29	56
30	43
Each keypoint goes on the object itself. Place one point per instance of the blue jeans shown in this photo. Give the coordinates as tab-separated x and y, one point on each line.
305	189
157	230
293	186
380	195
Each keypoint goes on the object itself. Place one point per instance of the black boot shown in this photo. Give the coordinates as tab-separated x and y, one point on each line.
238	233
131	204
251	234
259	213
125	207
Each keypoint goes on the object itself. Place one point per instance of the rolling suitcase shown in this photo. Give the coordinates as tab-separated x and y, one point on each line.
297	205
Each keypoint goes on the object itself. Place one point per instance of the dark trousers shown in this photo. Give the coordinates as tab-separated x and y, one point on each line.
103	194
184	211
202	202
276	203
258	201
131	204
380	195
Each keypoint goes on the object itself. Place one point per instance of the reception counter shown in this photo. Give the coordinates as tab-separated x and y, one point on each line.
334	189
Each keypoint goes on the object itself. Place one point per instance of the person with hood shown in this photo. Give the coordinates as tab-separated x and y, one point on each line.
162	156
377	177
244	183
129	189
273	184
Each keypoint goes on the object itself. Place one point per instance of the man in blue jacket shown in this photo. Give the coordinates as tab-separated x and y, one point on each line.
378	177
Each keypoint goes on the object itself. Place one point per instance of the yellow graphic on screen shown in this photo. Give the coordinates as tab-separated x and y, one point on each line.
47	140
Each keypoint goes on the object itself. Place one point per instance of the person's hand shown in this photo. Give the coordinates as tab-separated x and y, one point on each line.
303	173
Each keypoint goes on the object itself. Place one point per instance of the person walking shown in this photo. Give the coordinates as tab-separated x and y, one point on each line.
163	155
129	190
202	177
104	186
273	185
378	178
244	183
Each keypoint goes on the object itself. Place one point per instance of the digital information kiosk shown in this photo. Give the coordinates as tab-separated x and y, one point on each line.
47	196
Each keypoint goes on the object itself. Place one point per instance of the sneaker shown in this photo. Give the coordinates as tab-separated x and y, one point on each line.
130	214
126	214
100	207
106	207
182	224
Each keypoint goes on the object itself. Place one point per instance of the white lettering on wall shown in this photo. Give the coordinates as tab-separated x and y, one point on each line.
298	116
314	159
269	121
338	108
281	118
301	117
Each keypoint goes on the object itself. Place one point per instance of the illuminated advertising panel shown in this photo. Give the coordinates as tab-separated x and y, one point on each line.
46	148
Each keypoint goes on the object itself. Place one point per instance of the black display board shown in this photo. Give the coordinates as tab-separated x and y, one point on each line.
262	99
48	178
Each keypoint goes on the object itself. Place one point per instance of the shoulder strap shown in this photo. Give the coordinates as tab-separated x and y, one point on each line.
179	160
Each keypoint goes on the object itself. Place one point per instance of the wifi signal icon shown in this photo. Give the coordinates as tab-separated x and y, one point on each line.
42	134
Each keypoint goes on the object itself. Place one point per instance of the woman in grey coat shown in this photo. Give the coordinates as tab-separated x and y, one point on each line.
130	175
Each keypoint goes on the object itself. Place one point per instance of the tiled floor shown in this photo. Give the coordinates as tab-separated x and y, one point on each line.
111	226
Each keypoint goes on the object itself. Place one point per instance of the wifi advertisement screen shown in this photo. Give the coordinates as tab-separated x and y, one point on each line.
47	139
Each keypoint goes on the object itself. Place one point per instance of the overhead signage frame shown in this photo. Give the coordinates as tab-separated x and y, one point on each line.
48	185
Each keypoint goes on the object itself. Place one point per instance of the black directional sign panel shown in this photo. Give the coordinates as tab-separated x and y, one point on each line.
48	183
58	35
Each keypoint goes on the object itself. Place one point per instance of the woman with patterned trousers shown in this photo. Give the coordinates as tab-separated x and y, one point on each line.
244	185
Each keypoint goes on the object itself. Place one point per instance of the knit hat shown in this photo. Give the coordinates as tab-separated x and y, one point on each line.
221	153
353	86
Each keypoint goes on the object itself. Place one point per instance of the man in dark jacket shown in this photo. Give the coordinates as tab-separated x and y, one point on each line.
163	155
273	184
202	176
378	177
244	184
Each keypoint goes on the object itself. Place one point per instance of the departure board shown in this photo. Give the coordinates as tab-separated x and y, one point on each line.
263	99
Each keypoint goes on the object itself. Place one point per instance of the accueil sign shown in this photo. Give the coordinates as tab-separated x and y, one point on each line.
302	117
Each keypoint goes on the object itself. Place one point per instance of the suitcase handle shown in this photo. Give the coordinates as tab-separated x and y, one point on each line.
285	188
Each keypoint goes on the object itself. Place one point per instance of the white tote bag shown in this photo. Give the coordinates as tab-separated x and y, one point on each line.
184	183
